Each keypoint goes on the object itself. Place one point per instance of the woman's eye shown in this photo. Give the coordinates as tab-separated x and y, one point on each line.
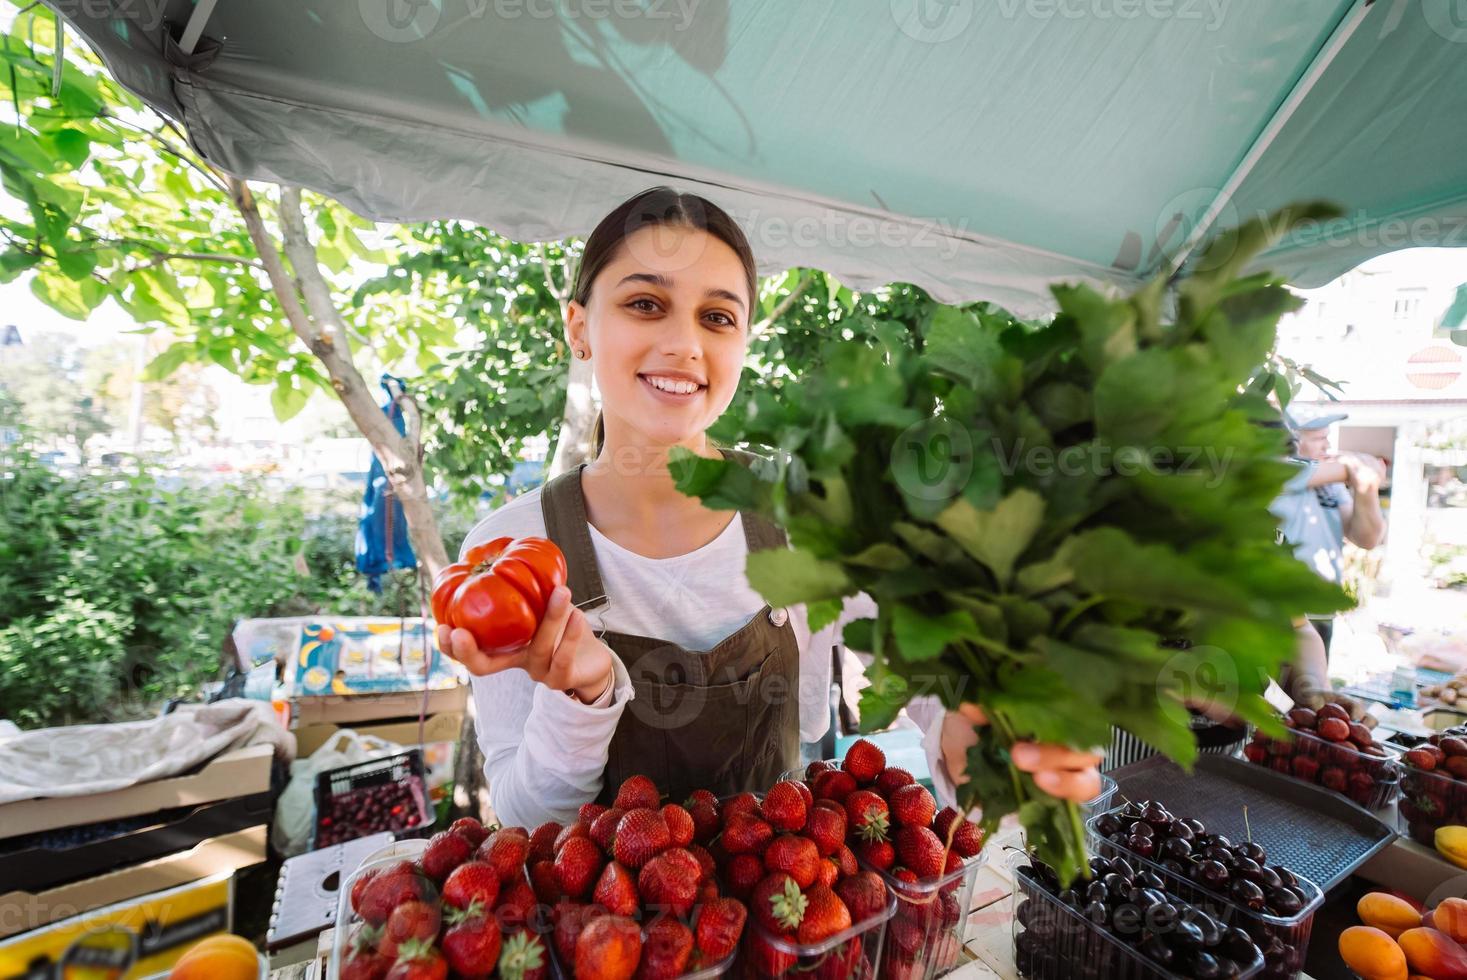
643	305
722	319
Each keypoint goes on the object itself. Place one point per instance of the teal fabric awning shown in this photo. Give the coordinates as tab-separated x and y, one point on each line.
979	148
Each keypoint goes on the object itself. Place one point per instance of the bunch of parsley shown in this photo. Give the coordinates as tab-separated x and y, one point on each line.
1066	523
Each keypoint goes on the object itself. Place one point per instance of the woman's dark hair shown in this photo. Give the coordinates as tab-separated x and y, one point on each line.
651	208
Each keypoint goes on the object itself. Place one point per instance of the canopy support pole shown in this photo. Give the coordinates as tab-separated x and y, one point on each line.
194	29
1326	54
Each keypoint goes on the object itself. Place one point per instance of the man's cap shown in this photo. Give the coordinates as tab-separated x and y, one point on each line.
1315	423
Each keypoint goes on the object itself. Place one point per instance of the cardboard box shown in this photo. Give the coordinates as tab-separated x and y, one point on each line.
354	655
442	727
240	772
140	937
343	709
21	911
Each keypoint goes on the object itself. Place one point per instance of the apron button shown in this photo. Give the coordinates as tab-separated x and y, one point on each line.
778	616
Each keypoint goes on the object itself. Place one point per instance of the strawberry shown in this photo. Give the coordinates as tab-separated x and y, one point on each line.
905	937
841	963
363	961
864	761
570	918
546	882
921	851
893	778
680	824
506	852
771	953
700	796
706	820
666	950
470	829
516	903
616	890
834	784
638	791
912	806
577	865
745	834
718	927
879	854
670	881
542	841
816	766
516	829
359	885
588	812
446	851
825	915
795	856
577	829
471	882
746	803
744	871
864	894
640	835
389	888
828	872
603	828
409	921
967	840
777	903
708	891
705	861
867	815
783	807
827	829
471	942
418	960
845	860
608	949
523	957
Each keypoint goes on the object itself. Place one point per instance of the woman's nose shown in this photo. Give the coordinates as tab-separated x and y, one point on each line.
683	337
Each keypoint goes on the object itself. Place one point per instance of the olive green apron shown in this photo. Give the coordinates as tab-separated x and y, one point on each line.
727	719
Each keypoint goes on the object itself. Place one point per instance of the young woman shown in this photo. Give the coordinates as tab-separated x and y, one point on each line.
659	658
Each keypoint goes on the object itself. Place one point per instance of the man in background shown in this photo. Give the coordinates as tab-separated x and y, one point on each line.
1334	498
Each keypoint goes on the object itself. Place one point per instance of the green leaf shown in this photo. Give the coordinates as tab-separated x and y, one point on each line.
957	343
882	555
920	637
286	399
822	613
13	263
167	362
998	537
72	146
785	577
70	297
1048	574
77	265
1107	327
883	699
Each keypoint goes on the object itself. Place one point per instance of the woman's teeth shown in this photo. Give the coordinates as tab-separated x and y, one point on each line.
676	387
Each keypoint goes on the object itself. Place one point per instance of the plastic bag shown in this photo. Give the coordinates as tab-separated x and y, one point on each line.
296	810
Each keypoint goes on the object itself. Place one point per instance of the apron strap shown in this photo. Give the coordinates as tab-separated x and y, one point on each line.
759	532
564	508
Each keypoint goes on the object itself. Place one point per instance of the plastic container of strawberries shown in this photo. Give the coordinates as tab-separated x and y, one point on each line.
1292	931
1429	800
1376	791
853	953
925	937
722	968
346	919
1055	942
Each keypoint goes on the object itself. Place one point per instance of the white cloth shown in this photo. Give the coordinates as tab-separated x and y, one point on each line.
544	754
80	760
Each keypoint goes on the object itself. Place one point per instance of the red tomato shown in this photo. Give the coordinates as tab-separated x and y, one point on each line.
499	591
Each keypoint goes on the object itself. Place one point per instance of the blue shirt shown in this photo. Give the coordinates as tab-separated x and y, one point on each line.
1312	521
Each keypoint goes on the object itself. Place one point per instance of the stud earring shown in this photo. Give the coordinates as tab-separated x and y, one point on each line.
581	354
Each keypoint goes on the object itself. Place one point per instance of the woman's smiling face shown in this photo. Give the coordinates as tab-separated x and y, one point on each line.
667	326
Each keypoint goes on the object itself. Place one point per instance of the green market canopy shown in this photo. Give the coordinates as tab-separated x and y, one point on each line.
979	148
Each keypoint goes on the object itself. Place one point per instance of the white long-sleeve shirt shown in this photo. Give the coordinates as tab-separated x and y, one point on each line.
544	753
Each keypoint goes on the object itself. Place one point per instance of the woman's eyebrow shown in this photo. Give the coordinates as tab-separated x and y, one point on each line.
665	282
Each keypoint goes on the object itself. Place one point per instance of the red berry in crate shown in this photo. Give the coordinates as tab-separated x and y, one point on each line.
516	902
701	796
845	859
717	928
1332	710
1453	745
1333	777
470	829
867	815
744	871
472	882
921	851
588	812
706	820
577	866
1456	765
638	791
1334	729
359	886
825	915
616	890
641	835
828	873
1304	718
912	806
545	882
1254	752
608	949
1305	767
542	841
1360	735
816	767
795	856
769	959
446	851
864	761
784	807
706	865
864	894
570	918
834	784
391	887
506	852
418	960
892	778
827	828
1281	764
524	957
745	803
363	961
679	824
878	854
409	921
603	828
1421	759
745	834
471	942
666	951
576	829
670	881
777	903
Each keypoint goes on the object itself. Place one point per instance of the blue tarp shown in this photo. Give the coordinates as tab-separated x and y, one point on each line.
382	532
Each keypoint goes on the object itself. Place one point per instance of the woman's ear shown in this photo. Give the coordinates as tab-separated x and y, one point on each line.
576	333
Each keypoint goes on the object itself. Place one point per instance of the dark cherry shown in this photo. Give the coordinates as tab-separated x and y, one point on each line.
1187	935
1156	950
1248	894
1149	879
1099	867
1174	867
1205	966
1221	841
1195	825
1122	867
1254	851
1097	891
1096	912
1182	830
1245	865
1107	824
1285	875
1175	848
1284	901
1126	921
1142	829
1142	846
1214	875
1118	884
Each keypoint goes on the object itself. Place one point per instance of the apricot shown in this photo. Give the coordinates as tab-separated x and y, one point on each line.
1434	953
218	958
1372	954
1450	917
1389	914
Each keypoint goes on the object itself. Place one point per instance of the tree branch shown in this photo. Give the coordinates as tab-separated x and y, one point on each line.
160	257
302	254
280	280
784	304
